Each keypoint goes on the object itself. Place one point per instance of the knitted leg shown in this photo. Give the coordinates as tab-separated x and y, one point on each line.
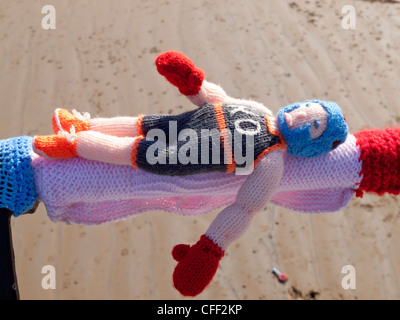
97	146
117	126
63	120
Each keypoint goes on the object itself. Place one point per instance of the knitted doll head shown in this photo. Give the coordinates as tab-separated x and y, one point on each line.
302	141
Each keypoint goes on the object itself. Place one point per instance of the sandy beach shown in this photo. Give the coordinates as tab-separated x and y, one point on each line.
100	59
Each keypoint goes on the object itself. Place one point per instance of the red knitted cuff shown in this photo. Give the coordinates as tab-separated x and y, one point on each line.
209	247
380	156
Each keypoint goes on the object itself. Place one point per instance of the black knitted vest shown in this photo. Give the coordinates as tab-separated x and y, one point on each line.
211	138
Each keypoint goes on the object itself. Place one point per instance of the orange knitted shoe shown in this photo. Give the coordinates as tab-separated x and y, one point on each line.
63	120
54	146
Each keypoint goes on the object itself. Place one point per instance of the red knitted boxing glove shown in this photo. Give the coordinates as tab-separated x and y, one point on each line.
179	70
196	266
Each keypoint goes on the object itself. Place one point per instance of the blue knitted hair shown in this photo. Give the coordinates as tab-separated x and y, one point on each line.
17	184
298	140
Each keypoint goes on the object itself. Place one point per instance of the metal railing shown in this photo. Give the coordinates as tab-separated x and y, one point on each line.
8	277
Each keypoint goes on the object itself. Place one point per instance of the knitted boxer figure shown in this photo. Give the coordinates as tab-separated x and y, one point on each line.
305	128
219	135
310	129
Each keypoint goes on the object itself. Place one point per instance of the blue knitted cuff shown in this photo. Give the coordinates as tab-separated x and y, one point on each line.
17	184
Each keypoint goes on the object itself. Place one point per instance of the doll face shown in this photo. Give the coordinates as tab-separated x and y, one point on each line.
312	128
308	113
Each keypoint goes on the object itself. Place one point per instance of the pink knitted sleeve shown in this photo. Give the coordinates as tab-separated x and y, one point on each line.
253	195
213	93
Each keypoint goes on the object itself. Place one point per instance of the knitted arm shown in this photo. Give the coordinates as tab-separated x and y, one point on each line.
198	263
254	194
180	71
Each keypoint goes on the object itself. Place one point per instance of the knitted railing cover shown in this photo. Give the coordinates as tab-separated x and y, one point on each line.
90	192
17	185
